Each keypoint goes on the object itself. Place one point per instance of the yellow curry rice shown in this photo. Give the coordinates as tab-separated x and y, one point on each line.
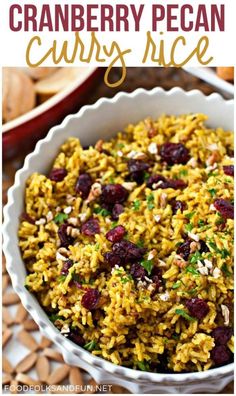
139	274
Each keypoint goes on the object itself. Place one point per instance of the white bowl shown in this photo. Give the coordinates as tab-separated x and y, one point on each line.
103	120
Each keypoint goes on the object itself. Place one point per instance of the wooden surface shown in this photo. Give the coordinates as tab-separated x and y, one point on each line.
136	78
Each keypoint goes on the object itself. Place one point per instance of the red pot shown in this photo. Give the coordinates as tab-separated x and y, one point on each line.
23	132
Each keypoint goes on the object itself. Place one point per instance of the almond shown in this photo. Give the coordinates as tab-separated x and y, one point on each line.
75	376
10	298
27	340
25	379
3	264
6	336
6	379
58	375
118	389
44	343
6	316
54	355
92	387
42	368
30	325
6	366
21	314
26	364
5	282
14	386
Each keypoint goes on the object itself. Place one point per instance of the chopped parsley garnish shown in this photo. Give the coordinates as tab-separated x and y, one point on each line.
60	218
146	176
97	246
175	337
189	227
201	223
212	191
192	291
126	279
150	199
213	246
195	257
178	244
140	243
228	180
114	224
223	252
220	220
111	180
120	145
191	270
78	279
136	204
190	215
212	174
184	314
90	346
176	285
144	366
147	265
61	278
103	212
55	317
225	270
183	172
119	271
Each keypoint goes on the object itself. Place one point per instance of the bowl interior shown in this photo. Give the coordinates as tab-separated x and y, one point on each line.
101	120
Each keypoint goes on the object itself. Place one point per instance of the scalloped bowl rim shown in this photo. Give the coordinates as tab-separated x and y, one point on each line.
30	302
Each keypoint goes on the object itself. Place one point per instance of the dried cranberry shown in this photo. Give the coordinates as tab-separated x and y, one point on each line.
159	181
222	335
112	259
225	208
90	299
66	266
156	277
229	170
154	180
184	249
91	227
203	247
83	185
137	169
76	337
197	307
117	210
25	217
128	251
137	271
176	184
57	174
174	153
221	355
176	205
65	239
116	234
113	193
230	152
